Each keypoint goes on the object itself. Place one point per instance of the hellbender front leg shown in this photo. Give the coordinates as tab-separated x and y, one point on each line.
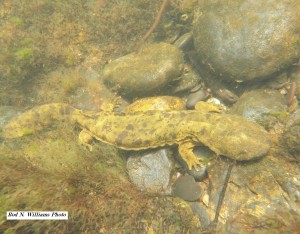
186	151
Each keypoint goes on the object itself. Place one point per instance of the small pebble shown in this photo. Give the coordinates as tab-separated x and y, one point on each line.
185	42
186	188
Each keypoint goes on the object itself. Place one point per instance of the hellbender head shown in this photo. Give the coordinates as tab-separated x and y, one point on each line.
237	138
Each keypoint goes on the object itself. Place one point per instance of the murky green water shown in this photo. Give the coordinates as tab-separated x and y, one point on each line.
87	54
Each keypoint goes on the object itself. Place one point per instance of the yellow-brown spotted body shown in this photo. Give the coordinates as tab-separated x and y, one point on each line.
227	135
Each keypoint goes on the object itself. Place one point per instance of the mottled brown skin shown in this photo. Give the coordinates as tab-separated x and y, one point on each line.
227	135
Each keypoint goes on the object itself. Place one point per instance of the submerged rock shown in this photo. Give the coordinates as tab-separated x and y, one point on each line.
188	80
151	171
185	42
201	212
186	188
291	137
264	190
265	107
244	39
145	72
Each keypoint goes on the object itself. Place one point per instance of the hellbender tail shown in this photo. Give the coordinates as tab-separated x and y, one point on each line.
39	118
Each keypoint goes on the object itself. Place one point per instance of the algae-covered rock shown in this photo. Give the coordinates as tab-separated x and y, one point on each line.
265	107
188	80
265	190
291	137
246	39
145	72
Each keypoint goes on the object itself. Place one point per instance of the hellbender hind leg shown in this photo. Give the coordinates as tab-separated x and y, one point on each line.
186	151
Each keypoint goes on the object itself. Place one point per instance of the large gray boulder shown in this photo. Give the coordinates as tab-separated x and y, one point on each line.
247	39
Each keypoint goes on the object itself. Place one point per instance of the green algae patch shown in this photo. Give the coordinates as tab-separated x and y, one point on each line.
74	33
65	34
23	54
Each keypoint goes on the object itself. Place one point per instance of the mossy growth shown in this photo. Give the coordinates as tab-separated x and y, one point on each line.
60	85
24	54
290	138
70	34
282	116
51	171
178	18
268	120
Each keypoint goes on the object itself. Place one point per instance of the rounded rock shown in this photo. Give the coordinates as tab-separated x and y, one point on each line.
244	40
186	188
187	81
266	107
146	72
151	171
185	42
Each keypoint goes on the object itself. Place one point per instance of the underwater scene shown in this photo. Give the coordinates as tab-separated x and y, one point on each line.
150	116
